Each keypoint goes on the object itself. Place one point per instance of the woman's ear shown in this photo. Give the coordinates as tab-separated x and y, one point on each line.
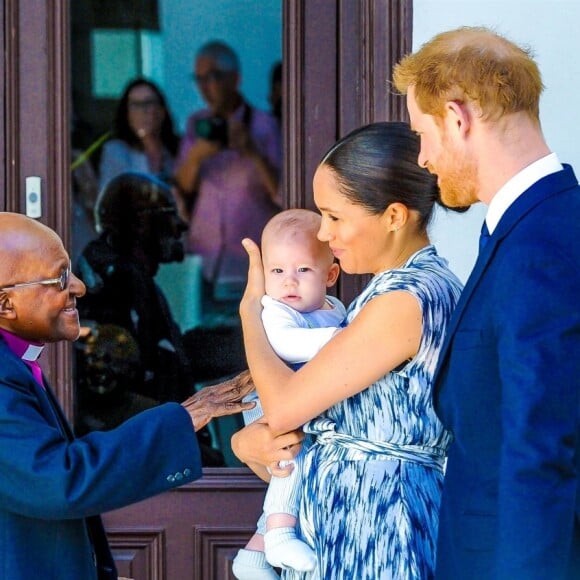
396	216
333	273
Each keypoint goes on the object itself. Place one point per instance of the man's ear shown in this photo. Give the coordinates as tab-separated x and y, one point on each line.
333	273
6	307
459	116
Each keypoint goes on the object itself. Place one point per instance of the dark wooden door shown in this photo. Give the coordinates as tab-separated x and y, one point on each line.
338	55
193	532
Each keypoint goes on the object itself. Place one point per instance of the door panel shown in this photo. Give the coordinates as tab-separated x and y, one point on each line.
337	59
192	532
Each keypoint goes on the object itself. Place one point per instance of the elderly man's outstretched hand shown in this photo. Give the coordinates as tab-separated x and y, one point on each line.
219	400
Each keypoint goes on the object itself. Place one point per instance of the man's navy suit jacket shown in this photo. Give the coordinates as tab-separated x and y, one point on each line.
53	486
508	387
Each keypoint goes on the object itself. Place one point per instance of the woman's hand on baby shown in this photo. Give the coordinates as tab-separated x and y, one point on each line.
255	444
255	286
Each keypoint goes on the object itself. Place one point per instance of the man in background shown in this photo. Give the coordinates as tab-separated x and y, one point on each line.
227	172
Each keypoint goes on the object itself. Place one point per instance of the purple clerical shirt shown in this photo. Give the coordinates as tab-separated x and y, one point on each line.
27	351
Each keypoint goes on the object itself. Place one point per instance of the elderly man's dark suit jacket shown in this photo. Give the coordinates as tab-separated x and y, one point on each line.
52	486
508	386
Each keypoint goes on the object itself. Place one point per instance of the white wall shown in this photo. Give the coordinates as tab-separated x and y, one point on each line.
550	28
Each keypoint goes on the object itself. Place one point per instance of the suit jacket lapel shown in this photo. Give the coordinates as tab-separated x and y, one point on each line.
478	269
57	411
106	568
52	408
548	186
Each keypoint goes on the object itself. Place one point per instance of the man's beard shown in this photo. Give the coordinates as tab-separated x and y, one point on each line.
457	179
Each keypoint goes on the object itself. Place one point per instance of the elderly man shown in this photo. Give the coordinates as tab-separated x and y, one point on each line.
507	384
53	485
228	172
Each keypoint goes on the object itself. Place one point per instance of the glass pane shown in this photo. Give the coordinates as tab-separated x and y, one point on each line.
147	318
121	55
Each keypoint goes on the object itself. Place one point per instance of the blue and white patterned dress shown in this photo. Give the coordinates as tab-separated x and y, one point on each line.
372	479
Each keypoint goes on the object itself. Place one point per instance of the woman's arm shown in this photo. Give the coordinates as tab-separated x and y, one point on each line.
385	333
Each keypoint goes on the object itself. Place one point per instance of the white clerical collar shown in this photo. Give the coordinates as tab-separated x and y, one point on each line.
519	183
32	352
26	350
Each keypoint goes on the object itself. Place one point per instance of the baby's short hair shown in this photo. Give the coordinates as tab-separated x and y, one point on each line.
295	223
304	220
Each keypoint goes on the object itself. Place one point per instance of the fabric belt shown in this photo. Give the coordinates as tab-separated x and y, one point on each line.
325	432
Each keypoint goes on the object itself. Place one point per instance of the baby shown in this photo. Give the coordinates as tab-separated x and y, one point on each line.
299	319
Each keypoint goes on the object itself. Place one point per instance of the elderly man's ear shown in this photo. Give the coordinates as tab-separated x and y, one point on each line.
6	307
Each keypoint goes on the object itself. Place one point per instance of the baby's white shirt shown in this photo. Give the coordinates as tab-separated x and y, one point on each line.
297	336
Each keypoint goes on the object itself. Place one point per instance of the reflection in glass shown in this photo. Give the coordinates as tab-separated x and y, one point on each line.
113	42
